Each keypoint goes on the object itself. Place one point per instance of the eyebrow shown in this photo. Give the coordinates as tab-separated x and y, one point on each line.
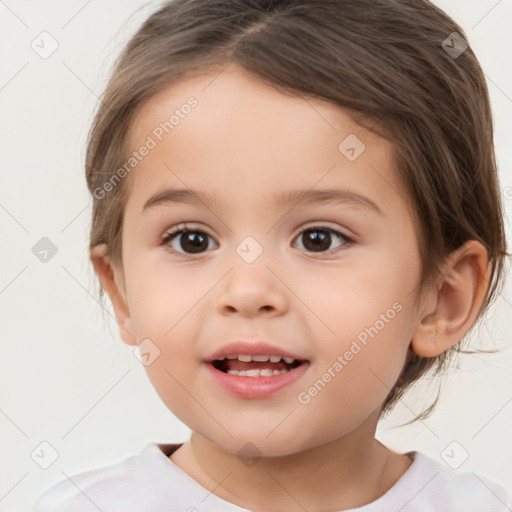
169	196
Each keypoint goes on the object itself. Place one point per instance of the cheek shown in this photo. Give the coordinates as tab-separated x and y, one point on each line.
161	297
367	306
370	314
354	381
166	308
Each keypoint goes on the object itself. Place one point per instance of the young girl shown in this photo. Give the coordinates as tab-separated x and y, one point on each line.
296	216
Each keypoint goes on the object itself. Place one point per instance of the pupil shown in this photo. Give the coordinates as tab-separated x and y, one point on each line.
320	240
196	240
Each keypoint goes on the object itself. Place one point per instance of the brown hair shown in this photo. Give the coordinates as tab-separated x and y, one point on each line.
382	60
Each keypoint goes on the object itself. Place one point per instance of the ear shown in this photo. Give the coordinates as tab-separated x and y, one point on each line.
112	280
452	307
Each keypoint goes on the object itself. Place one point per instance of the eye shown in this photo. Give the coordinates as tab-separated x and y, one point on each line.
189	241
195	241
320	238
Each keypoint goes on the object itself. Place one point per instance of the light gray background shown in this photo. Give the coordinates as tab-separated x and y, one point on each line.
67	379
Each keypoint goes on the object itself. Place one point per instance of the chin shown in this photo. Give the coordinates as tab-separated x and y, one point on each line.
253	444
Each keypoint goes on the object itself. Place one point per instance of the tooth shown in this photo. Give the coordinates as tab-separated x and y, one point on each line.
283	371
275	359
252	373
242	373
244	358
277	372
288	360
233	372
232	356
220	358
266	372
260	358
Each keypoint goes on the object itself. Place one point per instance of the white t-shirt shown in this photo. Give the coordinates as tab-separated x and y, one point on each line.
151	482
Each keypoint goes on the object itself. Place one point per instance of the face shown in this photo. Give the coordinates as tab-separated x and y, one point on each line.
265	256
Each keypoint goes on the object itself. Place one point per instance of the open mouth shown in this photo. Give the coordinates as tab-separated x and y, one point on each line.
255	366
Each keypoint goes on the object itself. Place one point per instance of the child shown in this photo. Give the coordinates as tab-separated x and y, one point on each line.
335	160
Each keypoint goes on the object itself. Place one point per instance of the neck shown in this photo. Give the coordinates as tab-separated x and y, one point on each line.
347	472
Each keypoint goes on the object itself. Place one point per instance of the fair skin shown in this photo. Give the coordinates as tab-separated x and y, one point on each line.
245	142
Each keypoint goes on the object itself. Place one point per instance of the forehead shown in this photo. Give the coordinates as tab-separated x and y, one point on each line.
245	135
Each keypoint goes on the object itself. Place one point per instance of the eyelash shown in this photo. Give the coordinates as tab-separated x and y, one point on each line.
170	235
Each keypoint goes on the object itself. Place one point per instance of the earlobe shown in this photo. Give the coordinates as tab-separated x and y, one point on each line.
115	290
453	306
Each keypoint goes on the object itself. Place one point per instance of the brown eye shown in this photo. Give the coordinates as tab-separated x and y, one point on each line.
187	241
313	239
316	239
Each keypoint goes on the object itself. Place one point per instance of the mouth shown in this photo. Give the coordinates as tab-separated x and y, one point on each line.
244	365
254	369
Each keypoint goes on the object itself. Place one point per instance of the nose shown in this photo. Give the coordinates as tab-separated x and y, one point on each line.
251	290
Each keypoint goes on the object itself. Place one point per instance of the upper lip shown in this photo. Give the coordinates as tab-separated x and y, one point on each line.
251	348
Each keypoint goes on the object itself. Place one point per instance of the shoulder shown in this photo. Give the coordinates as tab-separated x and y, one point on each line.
430	485
141	482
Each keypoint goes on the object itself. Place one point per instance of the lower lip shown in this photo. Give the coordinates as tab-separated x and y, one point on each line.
255	387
